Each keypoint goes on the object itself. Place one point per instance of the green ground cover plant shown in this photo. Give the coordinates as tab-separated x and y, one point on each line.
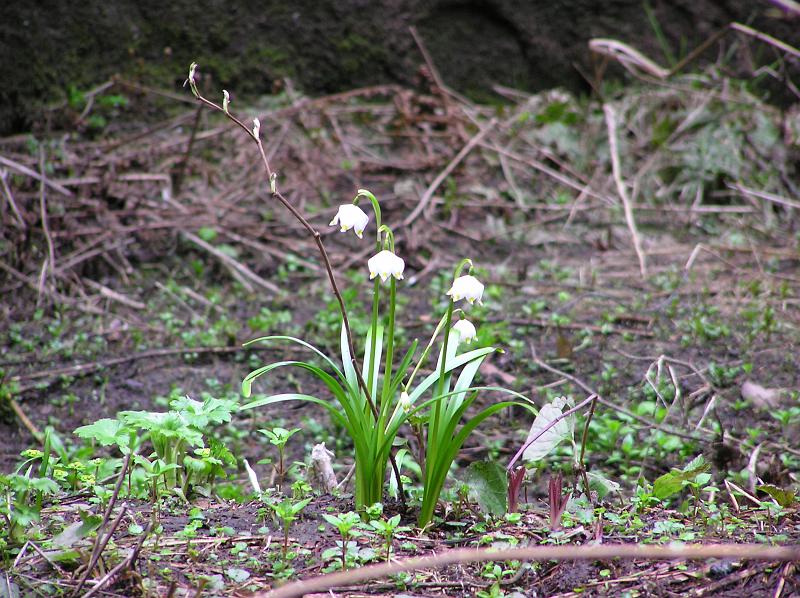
665	402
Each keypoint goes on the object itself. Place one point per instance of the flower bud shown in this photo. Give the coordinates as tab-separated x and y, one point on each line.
466	331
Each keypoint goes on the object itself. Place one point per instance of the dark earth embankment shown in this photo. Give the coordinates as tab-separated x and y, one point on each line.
46	48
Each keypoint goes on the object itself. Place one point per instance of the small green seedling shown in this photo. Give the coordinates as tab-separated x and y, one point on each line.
279	437
345	523
287	511
388	528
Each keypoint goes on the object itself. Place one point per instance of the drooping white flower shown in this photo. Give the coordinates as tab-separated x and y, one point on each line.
256	128
226	99
351	216
253	478
466	329
386	264
405	402
466	287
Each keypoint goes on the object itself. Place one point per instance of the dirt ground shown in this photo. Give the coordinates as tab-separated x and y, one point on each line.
162	254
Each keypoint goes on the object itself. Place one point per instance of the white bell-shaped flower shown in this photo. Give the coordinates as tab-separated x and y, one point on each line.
351	216
386	264
405	402
466	287
466	330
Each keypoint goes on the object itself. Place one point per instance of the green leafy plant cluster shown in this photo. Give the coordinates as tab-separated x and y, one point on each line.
180	460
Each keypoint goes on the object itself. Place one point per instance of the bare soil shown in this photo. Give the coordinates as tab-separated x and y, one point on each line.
718	304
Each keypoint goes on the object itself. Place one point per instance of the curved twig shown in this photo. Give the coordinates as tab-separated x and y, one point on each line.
537	553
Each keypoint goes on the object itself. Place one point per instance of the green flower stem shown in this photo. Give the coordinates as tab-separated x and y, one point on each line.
461	265
433	430
374	333
425	353
376	207
387	370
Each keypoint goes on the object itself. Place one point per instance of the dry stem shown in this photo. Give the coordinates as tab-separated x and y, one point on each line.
538	553
611	121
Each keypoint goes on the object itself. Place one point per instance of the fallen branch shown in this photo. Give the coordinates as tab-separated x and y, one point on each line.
426	197
34	175
101	539
756	552
611	121
89	368
126	563
29	425
239	271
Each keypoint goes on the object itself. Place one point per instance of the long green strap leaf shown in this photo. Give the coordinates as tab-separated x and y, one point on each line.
451	365
305	344
372	384
335	413
347	361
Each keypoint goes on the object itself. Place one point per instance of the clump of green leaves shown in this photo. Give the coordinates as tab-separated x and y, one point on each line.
24	491
180	460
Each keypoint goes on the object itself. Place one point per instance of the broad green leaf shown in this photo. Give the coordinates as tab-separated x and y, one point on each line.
237	575
668	484
550	439
106	431
77	531
489	486
672	482
207	233
602	485
785	498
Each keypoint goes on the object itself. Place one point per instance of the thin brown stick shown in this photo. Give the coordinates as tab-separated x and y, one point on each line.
51	251
765	195
611	122
88	368
188	154
35	175
627	56
239	271
426	197
31	427
108	577
755	552
575	380
573	326
101	540
768	39
278	196
10	199
114	295
697	51
50	292
554	174
434	72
